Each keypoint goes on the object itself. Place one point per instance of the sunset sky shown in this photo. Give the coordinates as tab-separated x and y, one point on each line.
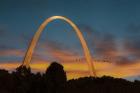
110	27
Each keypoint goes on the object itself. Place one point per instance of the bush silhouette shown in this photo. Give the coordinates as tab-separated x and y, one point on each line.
54	81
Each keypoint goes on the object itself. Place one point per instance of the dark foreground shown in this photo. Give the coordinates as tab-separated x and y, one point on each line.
54	81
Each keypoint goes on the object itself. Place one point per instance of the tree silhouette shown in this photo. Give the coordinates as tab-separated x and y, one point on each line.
54	81
23	70
55	78
23	79
6	82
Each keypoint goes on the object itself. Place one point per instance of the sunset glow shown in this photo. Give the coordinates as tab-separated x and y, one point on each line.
75	70
88	37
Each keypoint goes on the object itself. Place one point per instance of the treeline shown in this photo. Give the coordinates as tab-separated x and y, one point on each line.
54	80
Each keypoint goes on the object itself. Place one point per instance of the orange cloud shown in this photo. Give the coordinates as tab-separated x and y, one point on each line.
10	52
80	69
72	65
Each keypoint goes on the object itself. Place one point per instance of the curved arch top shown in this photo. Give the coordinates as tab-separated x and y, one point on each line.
35	38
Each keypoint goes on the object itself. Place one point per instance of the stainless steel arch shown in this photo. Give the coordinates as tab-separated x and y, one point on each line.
35	38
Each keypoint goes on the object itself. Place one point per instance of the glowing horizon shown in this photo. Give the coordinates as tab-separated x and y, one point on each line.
72	71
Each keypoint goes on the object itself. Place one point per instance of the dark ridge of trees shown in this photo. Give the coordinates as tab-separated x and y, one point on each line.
54	80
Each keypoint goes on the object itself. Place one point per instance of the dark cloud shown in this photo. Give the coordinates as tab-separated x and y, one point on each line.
105	45
100	42
132	40
122	60
56	46
5	47
131	46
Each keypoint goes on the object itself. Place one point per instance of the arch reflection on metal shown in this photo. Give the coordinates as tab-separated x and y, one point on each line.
32	45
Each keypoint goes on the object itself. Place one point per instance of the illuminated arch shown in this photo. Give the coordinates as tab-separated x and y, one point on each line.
35	38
